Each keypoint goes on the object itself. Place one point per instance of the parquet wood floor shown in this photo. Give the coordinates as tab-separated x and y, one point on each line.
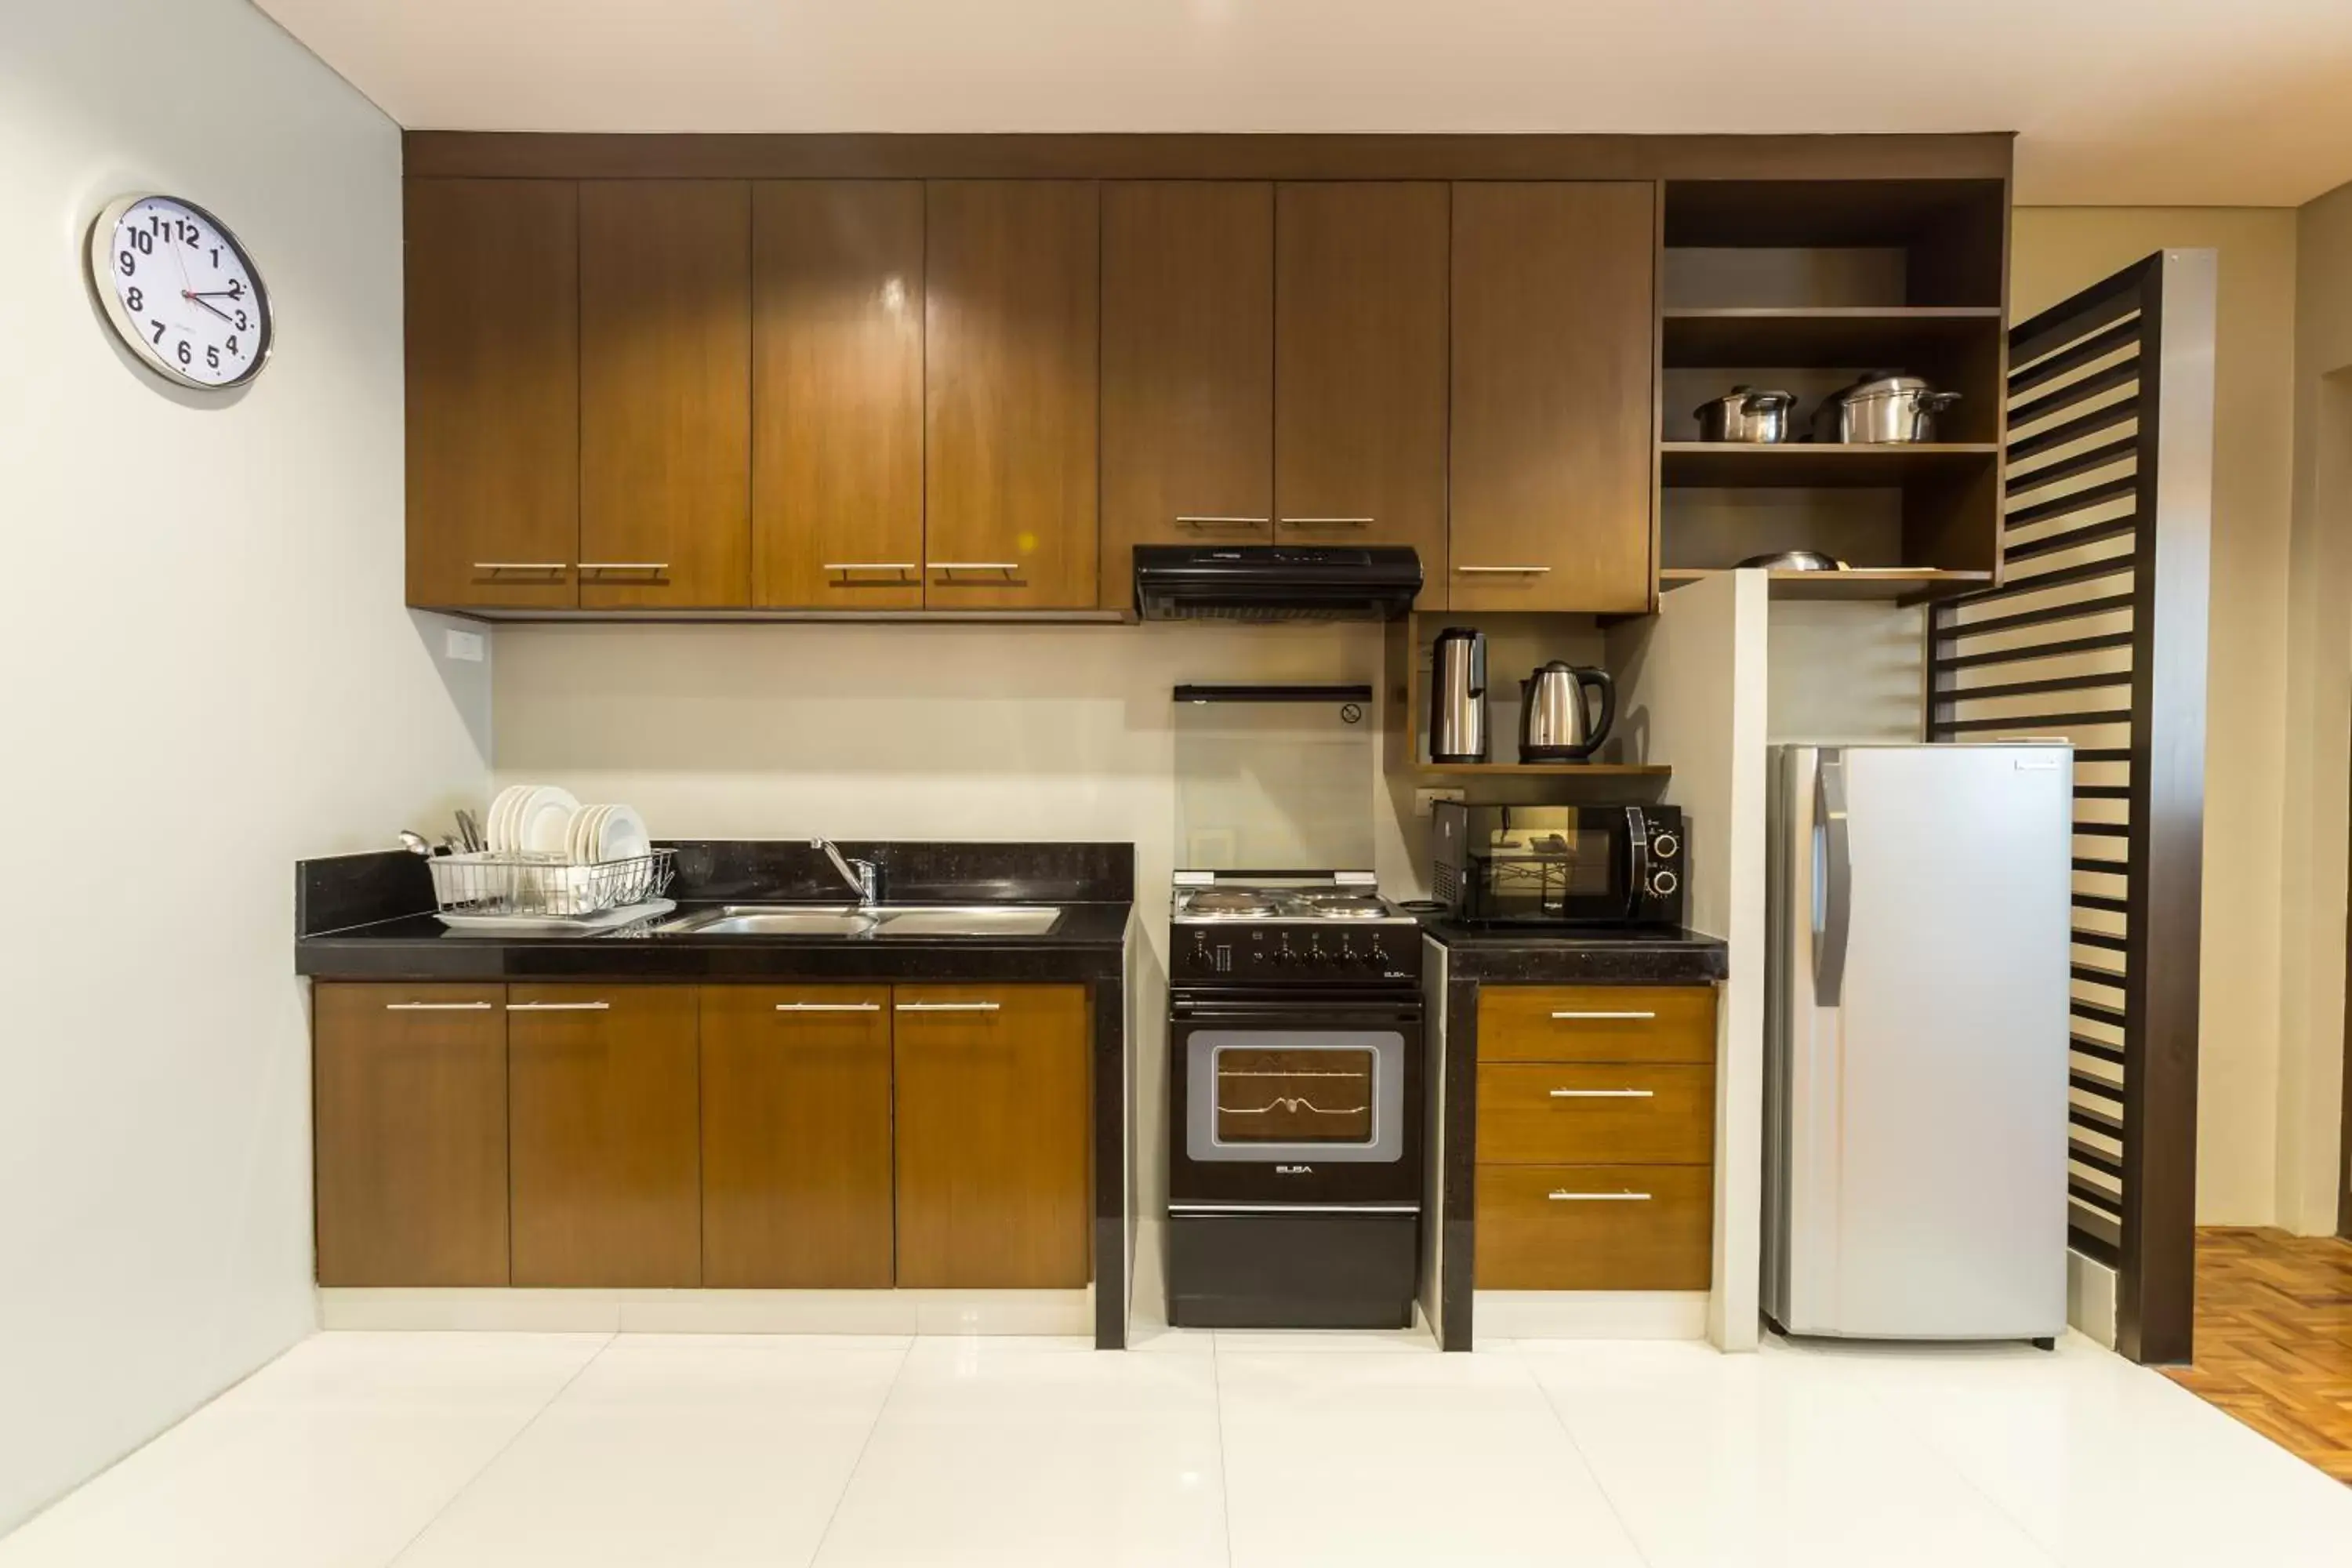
2274	1338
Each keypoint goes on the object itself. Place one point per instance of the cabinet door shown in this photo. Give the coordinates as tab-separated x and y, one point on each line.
796	1136
493	392
410	1129
838	394
1359	370
1187	369
665	393
1011	348
991	1135
1553	409
605	1135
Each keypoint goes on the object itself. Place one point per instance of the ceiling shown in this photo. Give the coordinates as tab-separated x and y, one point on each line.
2116	101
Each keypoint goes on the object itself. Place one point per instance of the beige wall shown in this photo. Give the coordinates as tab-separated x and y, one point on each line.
2318	695
2055	251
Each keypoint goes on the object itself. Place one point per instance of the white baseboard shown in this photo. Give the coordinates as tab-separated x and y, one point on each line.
1587	1315
714	1311
2091	1298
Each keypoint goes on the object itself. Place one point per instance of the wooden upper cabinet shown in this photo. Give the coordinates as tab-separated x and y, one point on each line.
1010	393
1187	369
493	393
1359	370
796	1136
838	394
605	1135
410	1121
992	1151
665	393
1554	412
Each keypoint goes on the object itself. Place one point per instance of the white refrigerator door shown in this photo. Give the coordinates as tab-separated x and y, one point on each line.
1926	903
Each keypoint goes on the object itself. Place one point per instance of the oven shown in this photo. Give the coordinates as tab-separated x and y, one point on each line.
1295	1157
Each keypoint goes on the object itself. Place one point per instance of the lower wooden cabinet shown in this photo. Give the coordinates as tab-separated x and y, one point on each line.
992	1176
796	1136
1595	1228
606	1135
409	1115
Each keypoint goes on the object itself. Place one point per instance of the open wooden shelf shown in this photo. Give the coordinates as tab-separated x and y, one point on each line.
1548	770
1859	583
1815	465
1833	335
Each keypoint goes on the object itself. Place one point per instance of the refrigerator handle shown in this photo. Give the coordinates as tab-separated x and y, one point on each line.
1832	880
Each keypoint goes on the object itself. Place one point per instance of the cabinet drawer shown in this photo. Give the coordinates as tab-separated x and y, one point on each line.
1596	1024
1595	1228
1595	1114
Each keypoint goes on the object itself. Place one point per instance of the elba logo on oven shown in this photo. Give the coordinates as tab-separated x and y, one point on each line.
1294	1170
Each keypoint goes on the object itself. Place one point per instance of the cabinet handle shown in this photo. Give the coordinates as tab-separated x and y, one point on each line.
437	1006
625	566
1562	1196
868	566
1635	1017
1327	522
521	566
557	1006
1604	1094
1208	522
1506	571
948	1006
828	1006
974	565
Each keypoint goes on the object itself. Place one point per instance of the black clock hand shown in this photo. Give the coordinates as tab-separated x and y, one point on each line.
208	305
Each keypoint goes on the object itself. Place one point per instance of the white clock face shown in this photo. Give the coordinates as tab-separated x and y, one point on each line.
181	291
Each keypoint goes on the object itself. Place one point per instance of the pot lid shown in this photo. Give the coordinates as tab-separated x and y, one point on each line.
1886	384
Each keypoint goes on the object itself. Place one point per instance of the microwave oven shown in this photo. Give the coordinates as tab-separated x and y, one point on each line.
1559	865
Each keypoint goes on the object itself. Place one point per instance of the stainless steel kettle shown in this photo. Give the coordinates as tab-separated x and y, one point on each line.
1555	725
1457	696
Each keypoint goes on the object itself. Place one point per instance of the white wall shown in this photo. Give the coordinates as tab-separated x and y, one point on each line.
208	675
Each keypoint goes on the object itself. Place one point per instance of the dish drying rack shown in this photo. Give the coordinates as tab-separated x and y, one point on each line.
539	886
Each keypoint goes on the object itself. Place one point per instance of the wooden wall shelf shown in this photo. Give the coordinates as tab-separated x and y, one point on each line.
1835	335
1862	583
1547	770
1814	465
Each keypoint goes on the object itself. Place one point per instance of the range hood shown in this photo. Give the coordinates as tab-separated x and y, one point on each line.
1274	582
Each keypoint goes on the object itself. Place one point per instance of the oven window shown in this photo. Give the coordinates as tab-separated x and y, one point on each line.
1266	1095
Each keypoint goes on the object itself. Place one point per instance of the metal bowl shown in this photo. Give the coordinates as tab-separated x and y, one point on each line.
1796	561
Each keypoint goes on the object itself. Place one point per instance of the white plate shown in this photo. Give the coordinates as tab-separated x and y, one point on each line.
621	834
500	820
526	925
576	838
544	820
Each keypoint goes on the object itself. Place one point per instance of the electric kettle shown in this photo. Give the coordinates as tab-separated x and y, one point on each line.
1555	725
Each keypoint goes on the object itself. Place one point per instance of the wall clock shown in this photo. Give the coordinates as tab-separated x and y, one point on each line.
181	291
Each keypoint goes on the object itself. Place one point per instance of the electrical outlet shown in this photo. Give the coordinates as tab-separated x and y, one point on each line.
464	647
1425	801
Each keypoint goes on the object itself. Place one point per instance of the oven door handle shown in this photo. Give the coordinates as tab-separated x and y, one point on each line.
1306	1020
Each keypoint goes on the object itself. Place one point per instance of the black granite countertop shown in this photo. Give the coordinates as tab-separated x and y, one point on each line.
1536	955
368	917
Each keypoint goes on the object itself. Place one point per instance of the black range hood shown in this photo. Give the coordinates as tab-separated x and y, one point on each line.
1274	582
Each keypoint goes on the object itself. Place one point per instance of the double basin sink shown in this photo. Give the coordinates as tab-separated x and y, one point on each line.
880	920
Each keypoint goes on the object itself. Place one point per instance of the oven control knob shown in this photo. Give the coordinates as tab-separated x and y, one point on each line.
1664	846
1663	883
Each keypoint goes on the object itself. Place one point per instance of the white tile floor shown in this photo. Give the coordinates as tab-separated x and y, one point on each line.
523	1449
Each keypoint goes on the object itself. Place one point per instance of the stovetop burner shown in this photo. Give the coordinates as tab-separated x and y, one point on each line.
1230	903
1249	901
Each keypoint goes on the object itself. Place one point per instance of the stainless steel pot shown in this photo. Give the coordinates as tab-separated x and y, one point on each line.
1884	408
1744	414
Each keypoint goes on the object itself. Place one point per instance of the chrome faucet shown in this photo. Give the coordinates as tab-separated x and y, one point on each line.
863	877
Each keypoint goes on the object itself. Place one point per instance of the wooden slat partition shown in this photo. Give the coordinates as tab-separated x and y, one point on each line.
2102	642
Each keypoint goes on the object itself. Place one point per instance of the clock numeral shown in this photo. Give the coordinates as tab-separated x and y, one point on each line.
159	328
136	299
237	288
185	357
143	242
232	342
128	262
240	321
212	359
215	256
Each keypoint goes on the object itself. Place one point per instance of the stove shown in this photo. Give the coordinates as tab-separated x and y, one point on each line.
1295	1102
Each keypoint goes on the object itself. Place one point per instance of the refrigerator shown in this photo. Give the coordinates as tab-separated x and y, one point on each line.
1917	1017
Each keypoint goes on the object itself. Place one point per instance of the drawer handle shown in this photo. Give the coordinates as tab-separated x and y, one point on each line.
828	1006
948	1006
901	567
1604	1093
1619	1018
1201	520
437	1006
1327	522
1007	567
1562	1196
557	1006
1505	571
521	566
625	566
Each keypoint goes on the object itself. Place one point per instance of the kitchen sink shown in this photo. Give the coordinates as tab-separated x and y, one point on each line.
755	919
886	920
976	919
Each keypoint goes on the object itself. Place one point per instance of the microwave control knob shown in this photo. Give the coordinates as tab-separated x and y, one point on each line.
1664	845
1663	883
